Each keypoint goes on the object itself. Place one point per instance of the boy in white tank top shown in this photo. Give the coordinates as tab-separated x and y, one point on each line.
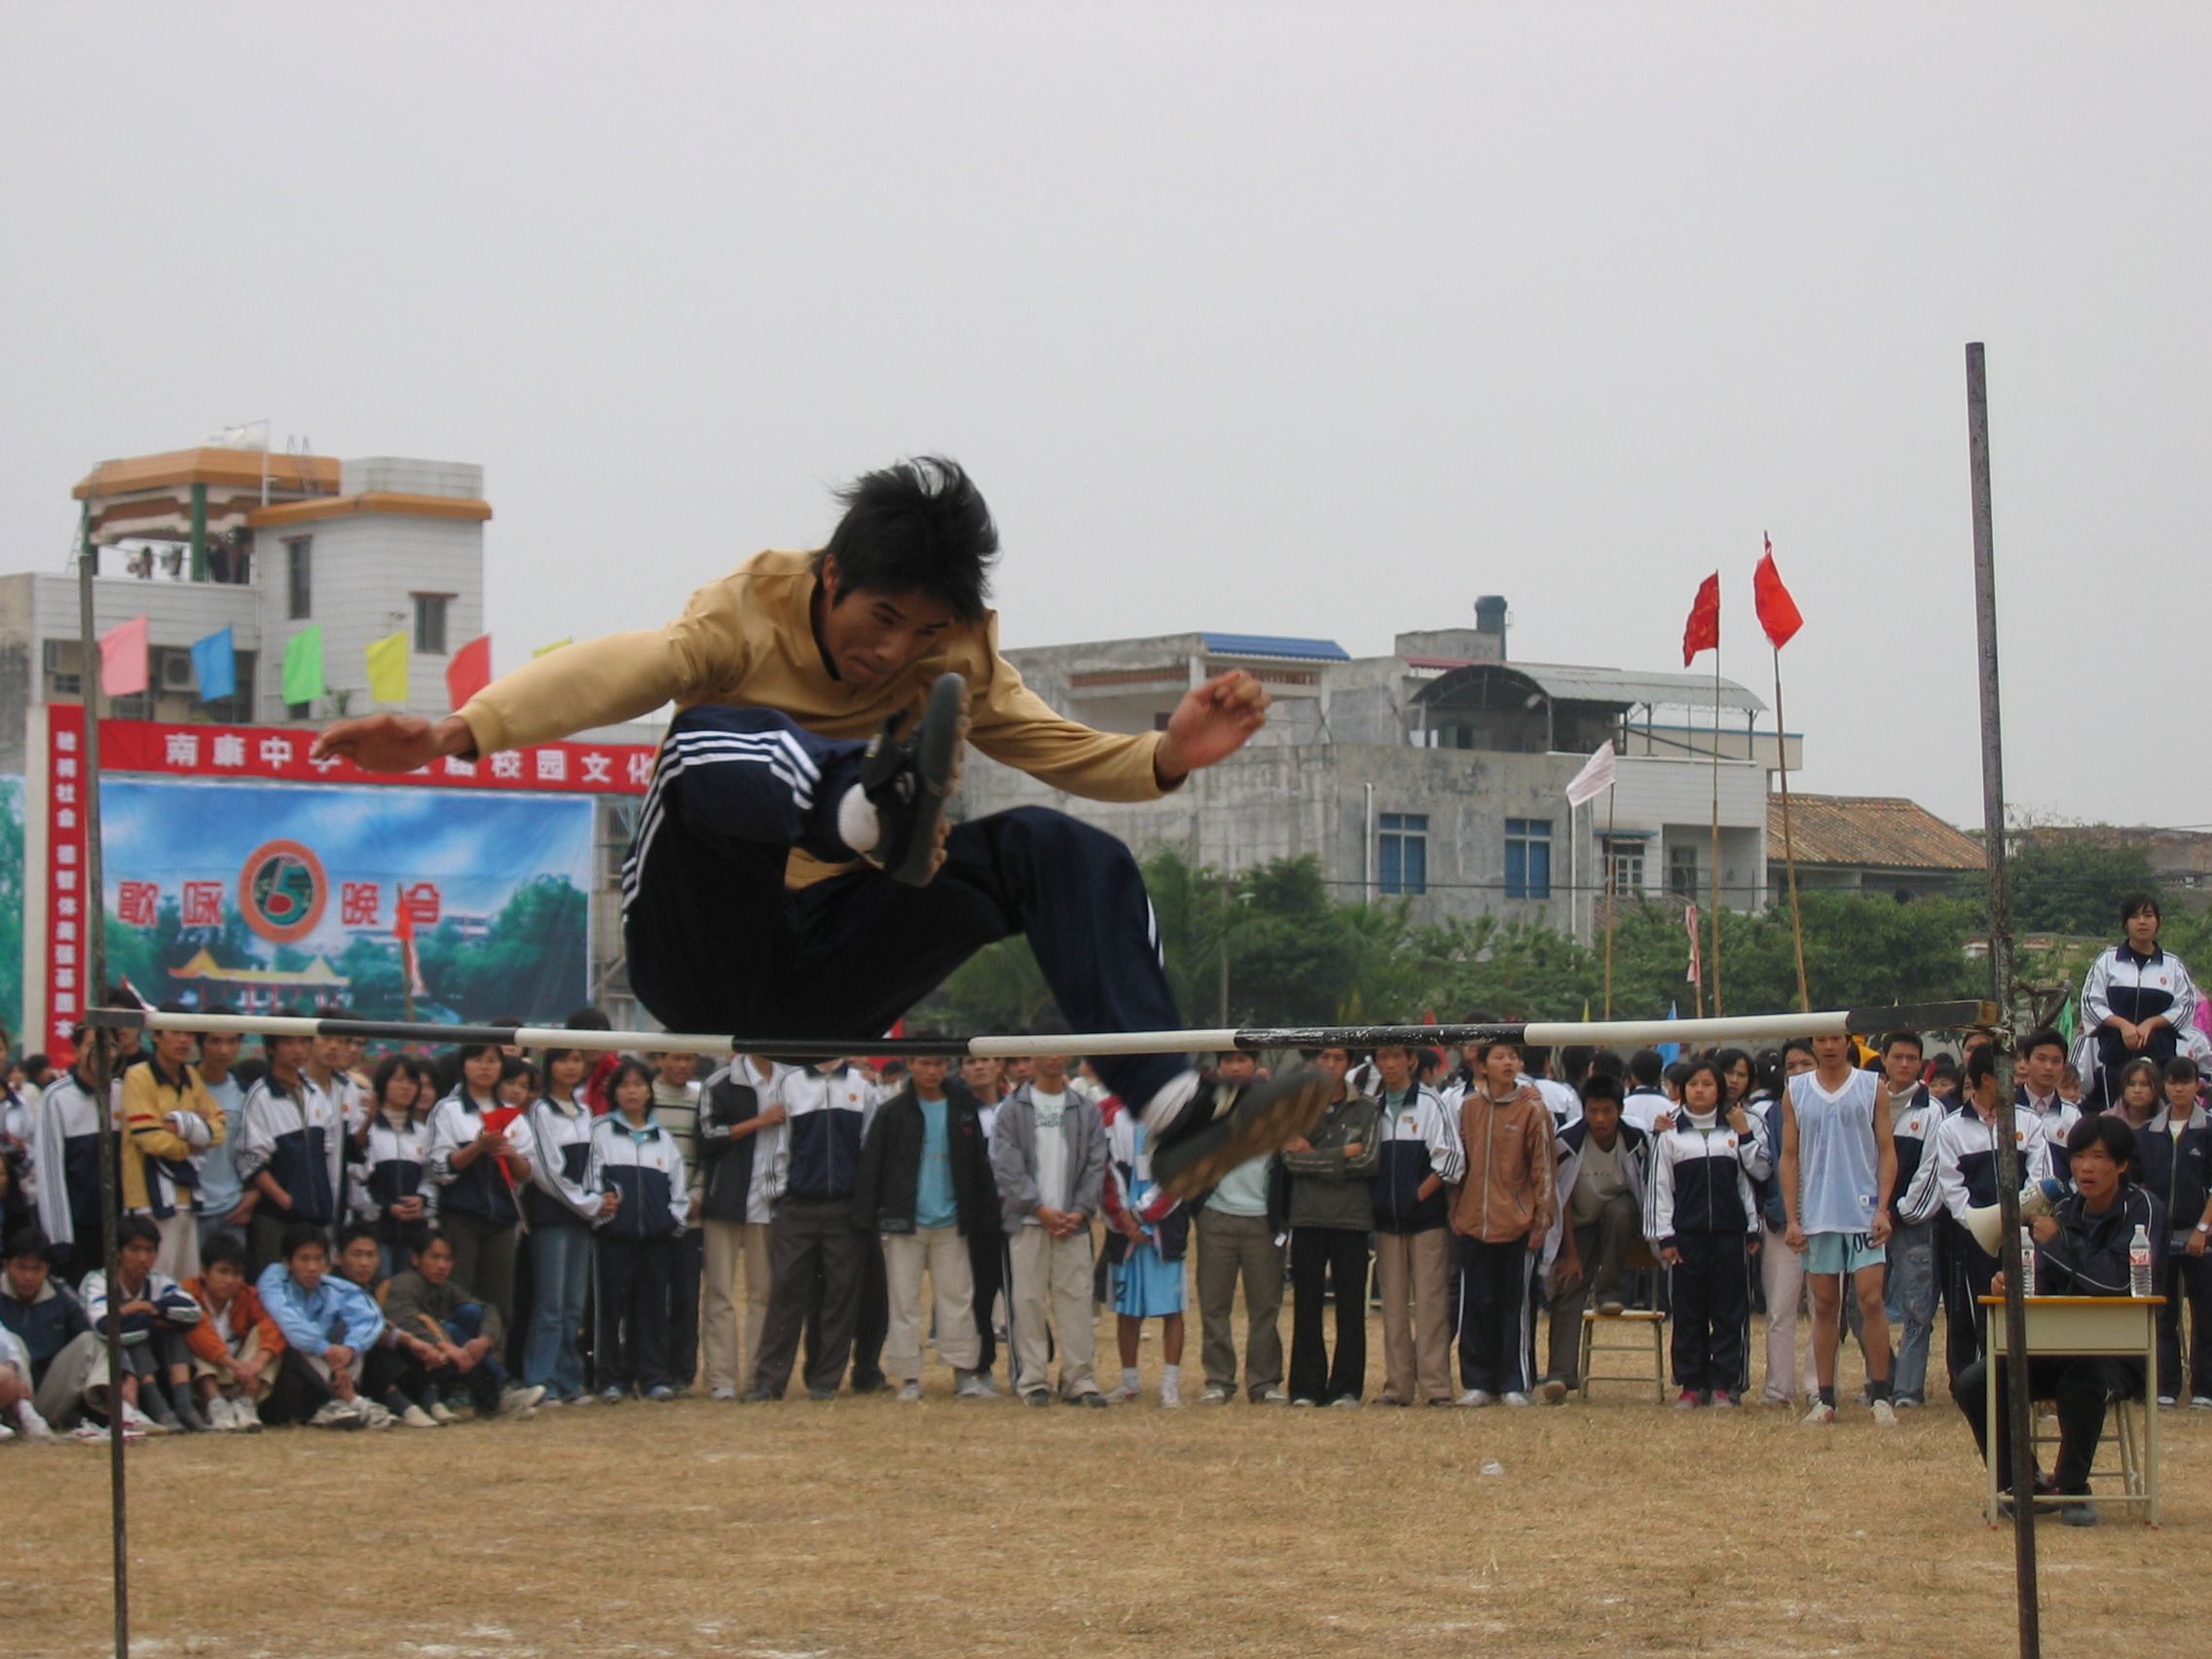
1838	1165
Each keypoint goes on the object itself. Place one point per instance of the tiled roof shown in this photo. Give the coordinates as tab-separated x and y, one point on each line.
1871	832
1275	646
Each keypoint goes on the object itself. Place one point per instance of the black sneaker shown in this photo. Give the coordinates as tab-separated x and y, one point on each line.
908	782
1205	1145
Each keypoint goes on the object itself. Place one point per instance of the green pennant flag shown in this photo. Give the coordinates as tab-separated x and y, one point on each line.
302	666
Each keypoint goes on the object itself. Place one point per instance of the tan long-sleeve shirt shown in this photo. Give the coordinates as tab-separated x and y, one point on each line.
747	641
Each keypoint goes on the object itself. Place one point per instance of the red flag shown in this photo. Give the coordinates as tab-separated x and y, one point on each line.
1778	612
471	670
1702	632
403	929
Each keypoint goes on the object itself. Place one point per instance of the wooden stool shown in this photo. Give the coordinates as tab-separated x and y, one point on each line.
1631	1318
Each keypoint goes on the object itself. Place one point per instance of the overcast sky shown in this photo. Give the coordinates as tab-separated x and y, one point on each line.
1280	319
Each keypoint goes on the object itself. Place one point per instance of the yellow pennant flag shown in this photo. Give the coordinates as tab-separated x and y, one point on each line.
554	647
388	669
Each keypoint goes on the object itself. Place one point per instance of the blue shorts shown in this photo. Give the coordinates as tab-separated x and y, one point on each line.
1842	1252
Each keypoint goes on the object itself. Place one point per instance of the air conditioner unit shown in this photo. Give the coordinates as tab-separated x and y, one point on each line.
177	670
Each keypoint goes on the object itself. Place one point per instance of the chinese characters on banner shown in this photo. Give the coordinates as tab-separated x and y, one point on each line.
258	754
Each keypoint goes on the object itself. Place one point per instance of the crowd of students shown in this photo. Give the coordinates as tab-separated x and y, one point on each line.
307	1239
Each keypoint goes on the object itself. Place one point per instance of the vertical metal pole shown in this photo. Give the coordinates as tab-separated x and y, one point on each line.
2017	1408
1611	904
94	900
1789	842
1714	965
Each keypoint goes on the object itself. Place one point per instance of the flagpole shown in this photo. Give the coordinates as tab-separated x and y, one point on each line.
1789	844
1613	792
1715	965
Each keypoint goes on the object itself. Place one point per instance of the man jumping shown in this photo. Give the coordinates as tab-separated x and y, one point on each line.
794	872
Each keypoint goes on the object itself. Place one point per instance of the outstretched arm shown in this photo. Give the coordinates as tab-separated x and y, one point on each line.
1212	722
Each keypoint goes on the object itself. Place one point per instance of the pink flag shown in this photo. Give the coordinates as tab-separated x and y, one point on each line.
123	658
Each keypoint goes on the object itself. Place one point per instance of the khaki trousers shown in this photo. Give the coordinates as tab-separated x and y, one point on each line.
732	1245
952	1286
1052	1278
1414	1269
80	1366
250	1348
1229	1245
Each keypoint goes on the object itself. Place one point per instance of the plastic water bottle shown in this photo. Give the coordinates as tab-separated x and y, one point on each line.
2027	1261
2139	1262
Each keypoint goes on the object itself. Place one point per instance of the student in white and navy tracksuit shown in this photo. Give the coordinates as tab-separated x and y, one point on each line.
637	1160
817	1259
1701	1219
2137	1002
562	1206
480	1174
293	1152
1420	1160
392	1190
67	1158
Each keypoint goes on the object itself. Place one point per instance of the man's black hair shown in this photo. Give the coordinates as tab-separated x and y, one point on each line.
588	1020
1606	1063
299	1235
1981	1063
2135	904
224	1247
29	1240
1674	1074
917	526
1574	1063
1903	1036
1797	1044
2108	1130
1599	1086
136	1229
2182	1069
2042	1038
1537	1062
1646	1067
353	1231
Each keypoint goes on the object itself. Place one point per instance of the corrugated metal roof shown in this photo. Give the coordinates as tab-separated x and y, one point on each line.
1275	646
1566	683
1873	831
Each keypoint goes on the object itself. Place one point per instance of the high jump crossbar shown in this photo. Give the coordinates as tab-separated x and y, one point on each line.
1252	1039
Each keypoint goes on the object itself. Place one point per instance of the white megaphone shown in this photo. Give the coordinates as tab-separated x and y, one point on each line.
1984	1221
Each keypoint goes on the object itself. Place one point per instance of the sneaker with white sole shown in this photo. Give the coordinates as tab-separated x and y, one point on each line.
1121	1395
246	1416
338	1414
217	1411
89	1434
1884	1415
2201	1402
1476	1397
31	1426
1822	1412
1514	1397
374	1416
1216	1395
910	1392
136	1424
1345	1402
414	1416
974	1385
1171	1396
724	1392
907	782
1271	1397
518	1402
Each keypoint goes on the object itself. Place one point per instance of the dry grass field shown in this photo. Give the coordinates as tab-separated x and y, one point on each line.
863	1527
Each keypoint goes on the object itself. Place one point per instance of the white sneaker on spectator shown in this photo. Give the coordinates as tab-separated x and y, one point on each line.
518	1402
1822	1412
30	1425
1884	1415
974	1385
338	1414
1345	1403
1121	1393
1514	1397
723	1393
1171	1396
1216	1395
246	1416
217	1411
136	1424
1273	1397
374	1416
6	1434
89	1434
414	1416
1476	1397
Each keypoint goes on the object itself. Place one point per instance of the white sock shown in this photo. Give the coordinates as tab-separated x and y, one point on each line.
856	827
1163	1109
1129	1378
1171	1379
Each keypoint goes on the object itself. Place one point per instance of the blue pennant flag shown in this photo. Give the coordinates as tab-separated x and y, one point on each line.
1670	1052
216	665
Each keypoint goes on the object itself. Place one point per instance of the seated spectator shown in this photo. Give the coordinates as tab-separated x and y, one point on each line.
638	1160
925	1185
156	1366
236	1347
1603	1167
2082	1249
329	1323
427	1303
19	1408
44	1316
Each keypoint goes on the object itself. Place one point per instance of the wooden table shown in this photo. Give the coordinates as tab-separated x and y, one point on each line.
2109	1327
